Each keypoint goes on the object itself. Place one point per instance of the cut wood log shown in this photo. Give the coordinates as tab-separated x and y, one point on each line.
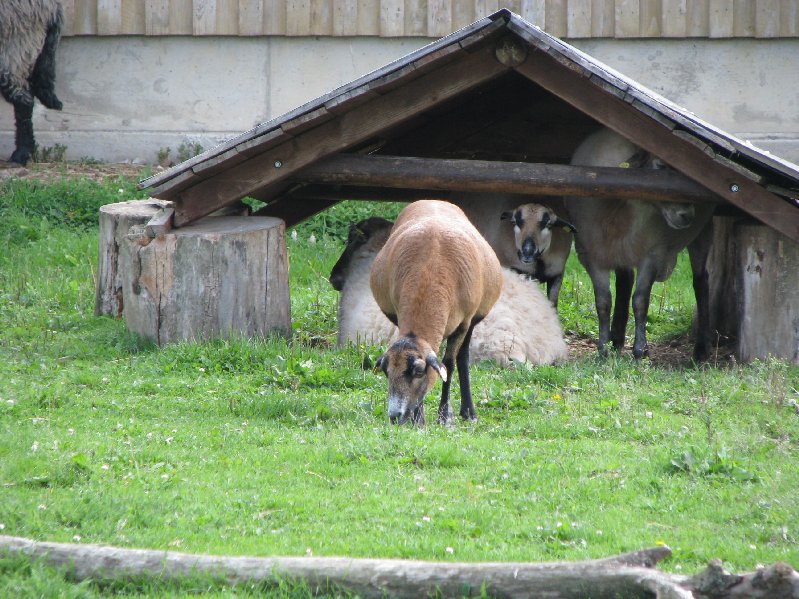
631	575
219	277
504	177
115	221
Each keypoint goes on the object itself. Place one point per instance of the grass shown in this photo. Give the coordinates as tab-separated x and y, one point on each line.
263	447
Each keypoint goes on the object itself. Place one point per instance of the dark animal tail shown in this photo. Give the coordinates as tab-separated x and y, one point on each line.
43	78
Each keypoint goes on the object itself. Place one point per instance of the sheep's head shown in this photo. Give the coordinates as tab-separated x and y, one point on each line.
374	229
411	366
678	215
532	229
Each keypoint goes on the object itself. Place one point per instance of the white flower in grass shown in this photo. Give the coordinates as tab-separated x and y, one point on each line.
105	466
2	526
35	447
312	239
450	550
308	552
294	235
76	538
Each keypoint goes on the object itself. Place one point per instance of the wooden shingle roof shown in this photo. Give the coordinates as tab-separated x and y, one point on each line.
499	101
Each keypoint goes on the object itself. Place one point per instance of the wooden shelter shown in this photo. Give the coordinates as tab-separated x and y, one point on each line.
499	106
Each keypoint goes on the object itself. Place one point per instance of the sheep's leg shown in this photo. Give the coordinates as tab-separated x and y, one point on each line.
468	411
553	289
42	79
602	299
621	306
23	114
454	342
643	291
698	251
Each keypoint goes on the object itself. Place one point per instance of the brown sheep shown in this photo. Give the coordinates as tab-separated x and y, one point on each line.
435	278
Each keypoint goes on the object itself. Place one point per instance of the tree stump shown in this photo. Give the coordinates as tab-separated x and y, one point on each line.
115	221
222	276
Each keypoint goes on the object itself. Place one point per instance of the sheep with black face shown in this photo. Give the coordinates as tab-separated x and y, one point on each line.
435	278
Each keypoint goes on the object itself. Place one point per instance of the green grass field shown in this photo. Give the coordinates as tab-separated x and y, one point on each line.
263	447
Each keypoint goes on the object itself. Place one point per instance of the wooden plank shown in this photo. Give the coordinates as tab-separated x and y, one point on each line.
68	29
653	137
484	8
603	18
181	17
251	17
274	17
392	18
743	18
368	18
415	17
534	11
345	17
227	17
492	176
697	18
132	18
439	18
321	17
720	19
204	17
293	210
789	18
628	18
767	18
298	17
579	19
156	17
109	17
556	18
85	19
262	171
651	13
674	18
462	14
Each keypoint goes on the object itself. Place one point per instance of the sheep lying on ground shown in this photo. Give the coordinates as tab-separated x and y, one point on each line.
529	238
435	278
521	327
635	235
29	33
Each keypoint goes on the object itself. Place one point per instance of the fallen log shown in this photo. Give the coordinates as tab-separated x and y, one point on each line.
630	575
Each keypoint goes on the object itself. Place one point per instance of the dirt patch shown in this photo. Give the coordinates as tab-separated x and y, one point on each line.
53	171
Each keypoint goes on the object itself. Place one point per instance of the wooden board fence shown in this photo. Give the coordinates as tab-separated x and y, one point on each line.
432	18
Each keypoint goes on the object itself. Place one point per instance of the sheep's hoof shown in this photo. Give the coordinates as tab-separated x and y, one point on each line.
640	353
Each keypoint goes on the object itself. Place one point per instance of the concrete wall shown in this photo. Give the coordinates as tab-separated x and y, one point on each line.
126	98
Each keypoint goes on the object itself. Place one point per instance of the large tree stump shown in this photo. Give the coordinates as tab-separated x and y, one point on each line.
754	289
219	277
115	221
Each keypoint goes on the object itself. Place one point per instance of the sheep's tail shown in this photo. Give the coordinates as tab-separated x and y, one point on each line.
43	78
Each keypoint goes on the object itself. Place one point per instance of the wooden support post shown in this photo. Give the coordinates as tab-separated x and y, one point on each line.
115	221
219	277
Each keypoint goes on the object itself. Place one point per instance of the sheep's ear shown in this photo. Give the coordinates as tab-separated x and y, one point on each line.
506	216
559	222
433	362
382	363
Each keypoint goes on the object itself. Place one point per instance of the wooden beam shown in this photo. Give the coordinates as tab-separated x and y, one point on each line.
574	87
504	177
293	210
257	174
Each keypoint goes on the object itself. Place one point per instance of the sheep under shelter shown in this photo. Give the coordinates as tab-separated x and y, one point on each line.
500	106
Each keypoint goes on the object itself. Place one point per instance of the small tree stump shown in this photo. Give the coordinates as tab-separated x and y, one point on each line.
219	277
115	221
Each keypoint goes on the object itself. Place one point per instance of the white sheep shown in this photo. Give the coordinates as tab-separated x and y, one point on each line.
530	238
29	34
435	278
635	235
521	327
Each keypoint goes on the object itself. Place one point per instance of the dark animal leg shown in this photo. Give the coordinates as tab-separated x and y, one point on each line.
621	306
42	80
698	252
602	299
23	114
643	290
454	342
417	416
553	289
468	411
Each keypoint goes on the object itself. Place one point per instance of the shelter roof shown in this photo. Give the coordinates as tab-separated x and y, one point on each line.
499	105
